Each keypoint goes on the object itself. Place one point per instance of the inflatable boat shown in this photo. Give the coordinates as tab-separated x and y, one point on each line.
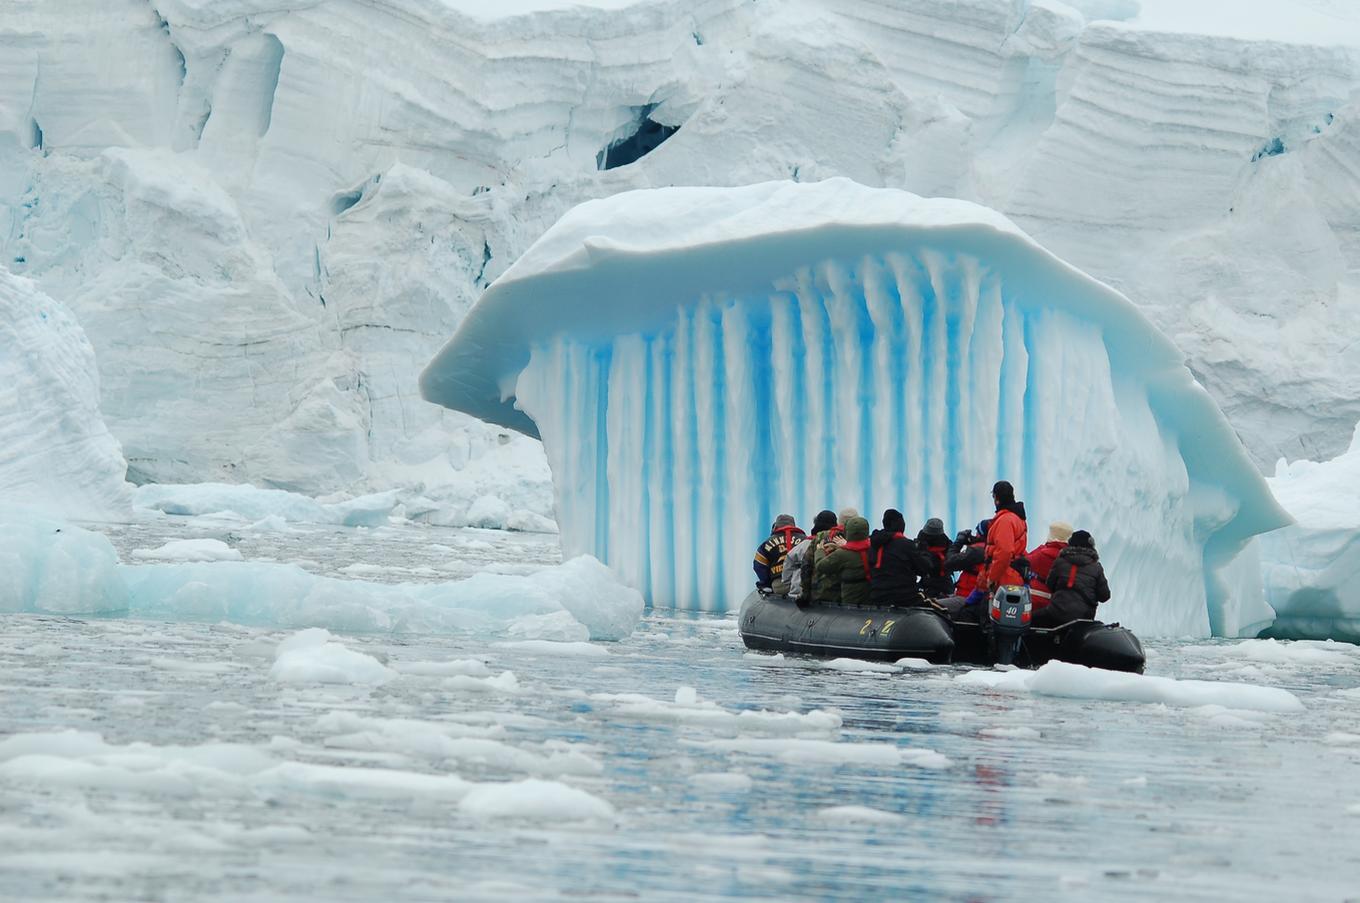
778	624
1089	643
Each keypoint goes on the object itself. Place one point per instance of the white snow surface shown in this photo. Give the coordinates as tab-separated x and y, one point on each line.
869	329
57	453
257	271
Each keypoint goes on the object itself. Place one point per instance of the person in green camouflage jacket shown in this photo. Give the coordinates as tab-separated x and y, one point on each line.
843	575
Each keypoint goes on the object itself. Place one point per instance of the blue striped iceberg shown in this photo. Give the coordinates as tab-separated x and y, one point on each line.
697	360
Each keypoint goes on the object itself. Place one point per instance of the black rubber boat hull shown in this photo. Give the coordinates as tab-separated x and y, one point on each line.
876	633
1089	643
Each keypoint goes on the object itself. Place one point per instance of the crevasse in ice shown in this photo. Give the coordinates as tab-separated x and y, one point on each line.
699	360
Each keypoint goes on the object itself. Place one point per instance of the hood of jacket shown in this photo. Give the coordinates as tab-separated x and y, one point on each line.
856	529
1078	556
1016	508
880	538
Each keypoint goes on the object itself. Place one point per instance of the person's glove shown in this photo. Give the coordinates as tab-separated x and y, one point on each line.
975	597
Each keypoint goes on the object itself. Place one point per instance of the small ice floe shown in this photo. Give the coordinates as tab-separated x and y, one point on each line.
505	683
1078	682
1340	738
1010	733
856	666
722	781
690	709
189	550
843	815
448	741
310	657
555	648
829	752
1312	653
535	799
470	667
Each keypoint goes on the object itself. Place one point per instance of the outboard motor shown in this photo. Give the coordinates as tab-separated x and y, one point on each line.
1011	612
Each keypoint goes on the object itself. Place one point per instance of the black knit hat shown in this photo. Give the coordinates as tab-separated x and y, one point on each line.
1082	540
934	527
893	521
824	520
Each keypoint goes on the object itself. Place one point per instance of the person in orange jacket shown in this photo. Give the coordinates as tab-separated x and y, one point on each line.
1006	539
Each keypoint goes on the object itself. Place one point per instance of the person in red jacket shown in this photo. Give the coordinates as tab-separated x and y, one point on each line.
1006	538
1041	562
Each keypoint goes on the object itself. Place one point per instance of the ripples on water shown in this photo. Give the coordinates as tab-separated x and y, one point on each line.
1043	798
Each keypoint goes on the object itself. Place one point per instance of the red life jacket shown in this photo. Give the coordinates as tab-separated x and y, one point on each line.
879	563
968	579
862	547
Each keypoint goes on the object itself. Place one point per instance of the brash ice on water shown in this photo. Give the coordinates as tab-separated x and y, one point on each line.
697	360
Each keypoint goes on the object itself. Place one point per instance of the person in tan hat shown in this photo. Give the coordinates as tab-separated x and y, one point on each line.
1041	561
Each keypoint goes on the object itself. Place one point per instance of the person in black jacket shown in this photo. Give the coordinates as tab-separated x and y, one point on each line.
934	541
1077	582
896	562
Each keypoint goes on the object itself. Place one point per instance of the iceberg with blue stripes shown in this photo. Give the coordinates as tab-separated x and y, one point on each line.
699	360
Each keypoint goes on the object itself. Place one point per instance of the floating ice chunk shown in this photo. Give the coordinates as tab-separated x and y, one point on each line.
1222	716
689	708
309	657
440	741
1010	733
555	649
1340	738
556	626
83	759
537	800
845	815
52	566
277	595
722	781
470	667
1276	652
505	683
855	666
1078	682
828	752
362	783
255	504
189	550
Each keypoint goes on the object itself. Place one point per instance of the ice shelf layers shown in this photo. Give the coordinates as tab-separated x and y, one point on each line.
699	360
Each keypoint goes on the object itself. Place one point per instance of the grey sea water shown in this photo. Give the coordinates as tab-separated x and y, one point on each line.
217	782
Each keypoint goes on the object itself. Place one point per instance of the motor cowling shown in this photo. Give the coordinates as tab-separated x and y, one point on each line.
1011	608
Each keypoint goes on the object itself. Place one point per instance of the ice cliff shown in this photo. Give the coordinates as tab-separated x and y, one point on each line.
1311	569
57	453
264	211
699	360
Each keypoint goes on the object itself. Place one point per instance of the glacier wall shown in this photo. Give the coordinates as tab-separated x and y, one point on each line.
264	210
58	456
699	360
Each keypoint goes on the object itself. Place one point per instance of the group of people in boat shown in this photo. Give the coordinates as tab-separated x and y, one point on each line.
842	562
